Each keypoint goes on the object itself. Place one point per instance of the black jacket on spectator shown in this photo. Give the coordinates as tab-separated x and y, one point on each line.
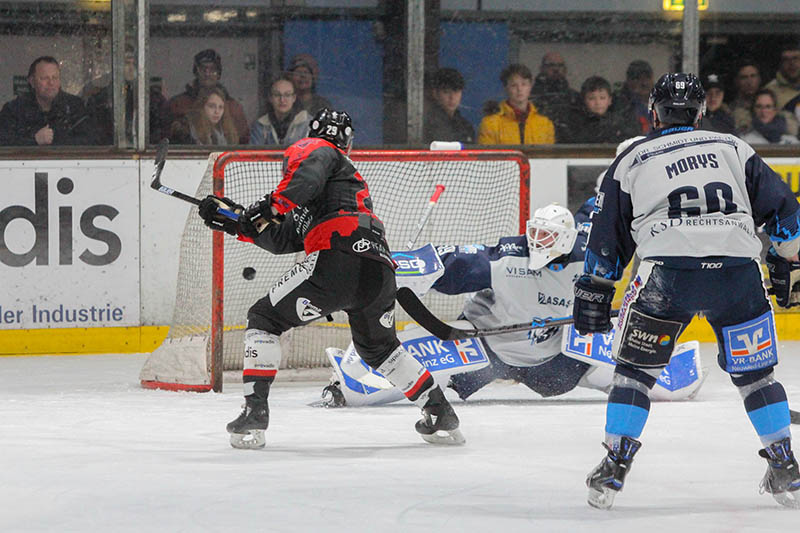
439	126
555	100
589	128
22	117
720	121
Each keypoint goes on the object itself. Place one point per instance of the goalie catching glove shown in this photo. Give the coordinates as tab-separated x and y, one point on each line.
209	211
592	308
785	278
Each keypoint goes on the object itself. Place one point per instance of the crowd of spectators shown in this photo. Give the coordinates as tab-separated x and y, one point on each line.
540	110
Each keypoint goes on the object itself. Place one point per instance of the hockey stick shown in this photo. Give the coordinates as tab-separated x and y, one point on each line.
431	204
161	159
417	310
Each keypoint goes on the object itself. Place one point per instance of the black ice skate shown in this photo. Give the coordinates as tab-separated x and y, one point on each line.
439	423
782	479
609	476
247	431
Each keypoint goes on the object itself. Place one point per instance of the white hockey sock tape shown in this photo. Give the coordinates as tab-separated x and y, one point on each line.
407	374
262	353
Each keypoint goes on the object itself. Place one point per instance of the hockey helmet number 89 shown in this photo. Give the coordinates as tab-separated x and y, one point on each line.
551	233
333	126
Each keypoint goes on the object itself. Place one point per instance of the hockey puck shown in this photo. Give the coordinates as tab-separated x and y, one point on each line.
249	273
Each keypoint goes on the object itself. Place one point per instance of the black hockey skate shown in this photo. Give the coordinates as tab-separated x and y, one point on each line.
439	423
782	479
609	476
247	431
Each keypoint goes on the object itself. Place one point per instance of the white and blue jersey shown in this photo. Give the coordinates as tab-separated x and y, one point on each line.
503	290
680	195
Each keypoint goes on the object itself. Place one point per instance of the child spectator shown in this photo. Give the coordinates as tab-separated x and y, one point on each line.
516	121
207	69
632	98
747	82
768	126
46	115
717	117
208	122
284	123
443	122
594	122
304	73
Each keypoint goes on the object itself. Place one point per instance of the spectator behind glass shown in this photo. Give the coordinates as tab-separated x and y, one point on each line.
443	121
631	99
747	82
768	126
594	122
46	115
208	122
516	121
552	95
718	117
304	72
285	122
207	69
786	84
99	103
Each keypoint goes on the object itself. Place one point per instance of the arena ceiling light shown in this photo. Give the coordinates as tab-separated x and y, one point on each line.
219	15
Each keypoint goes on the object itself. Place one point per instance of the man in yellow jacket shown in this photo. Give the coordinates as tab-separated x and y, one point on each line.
517	121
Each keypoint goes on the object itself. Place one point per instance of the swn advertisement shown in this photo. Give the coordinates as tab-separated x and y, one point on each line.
69	245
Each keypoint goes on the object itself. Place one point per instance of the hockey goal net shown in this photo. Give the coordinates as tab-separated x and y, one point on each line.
219	278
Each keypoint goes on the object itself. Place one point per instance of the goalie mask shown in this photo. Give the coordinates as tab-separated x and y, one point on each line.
551	233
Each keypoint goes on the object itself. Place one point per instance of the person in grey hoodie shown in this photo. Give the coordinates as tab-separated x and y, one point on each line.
284	123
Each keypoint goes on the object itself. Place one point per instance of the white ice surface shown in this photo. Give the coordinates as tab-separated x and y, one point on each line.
83	448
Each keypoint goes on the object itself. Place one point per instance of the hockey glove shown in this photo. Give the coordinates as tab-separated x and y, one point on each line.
257	217
592	308
209	212
785	277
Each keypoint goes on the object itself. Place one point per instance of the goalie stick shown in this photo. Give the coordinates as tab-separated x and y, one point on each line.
417	310
431	204
161	159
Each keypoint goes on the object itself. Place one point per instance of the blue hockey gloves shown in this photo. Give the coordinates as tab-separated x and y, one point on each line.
785	277
209	212
592	308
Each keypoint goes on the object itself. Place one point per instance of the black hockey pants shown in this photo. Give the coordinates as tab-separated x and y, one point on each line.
328	281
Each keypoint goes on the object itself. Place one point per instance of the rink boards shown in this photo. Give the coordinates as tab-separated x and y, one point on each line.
89	252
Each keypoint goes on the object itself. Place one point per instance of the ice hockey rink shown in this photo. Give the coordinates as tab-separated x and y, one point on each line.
84	448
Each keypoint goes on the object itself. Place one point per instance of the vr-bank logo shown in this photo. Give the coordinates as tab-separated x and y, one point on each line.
750	342
39	219
751	345
469	351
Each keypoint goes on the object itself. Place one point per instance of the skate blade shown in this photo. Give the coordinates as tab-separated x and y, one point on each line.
453	437
788	499
252	440
601	499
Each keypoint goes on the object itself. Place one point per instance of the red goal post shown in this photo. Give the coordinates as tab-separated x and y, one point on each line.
486	197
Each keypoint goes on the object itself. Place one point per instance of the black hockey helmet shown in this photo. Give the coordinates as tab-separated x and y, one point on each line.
677	99
333	126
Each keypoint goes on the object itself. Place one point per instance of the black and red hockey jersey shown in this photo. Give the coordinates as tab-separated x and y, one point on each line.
326	204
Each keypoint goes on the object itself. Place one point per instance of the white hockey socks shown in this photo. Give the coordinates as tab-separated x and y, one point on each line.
408	375
262	356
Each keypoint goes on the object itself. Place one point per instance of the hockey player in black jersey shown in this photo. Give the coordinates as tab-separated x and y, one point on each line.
322	206
688	203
